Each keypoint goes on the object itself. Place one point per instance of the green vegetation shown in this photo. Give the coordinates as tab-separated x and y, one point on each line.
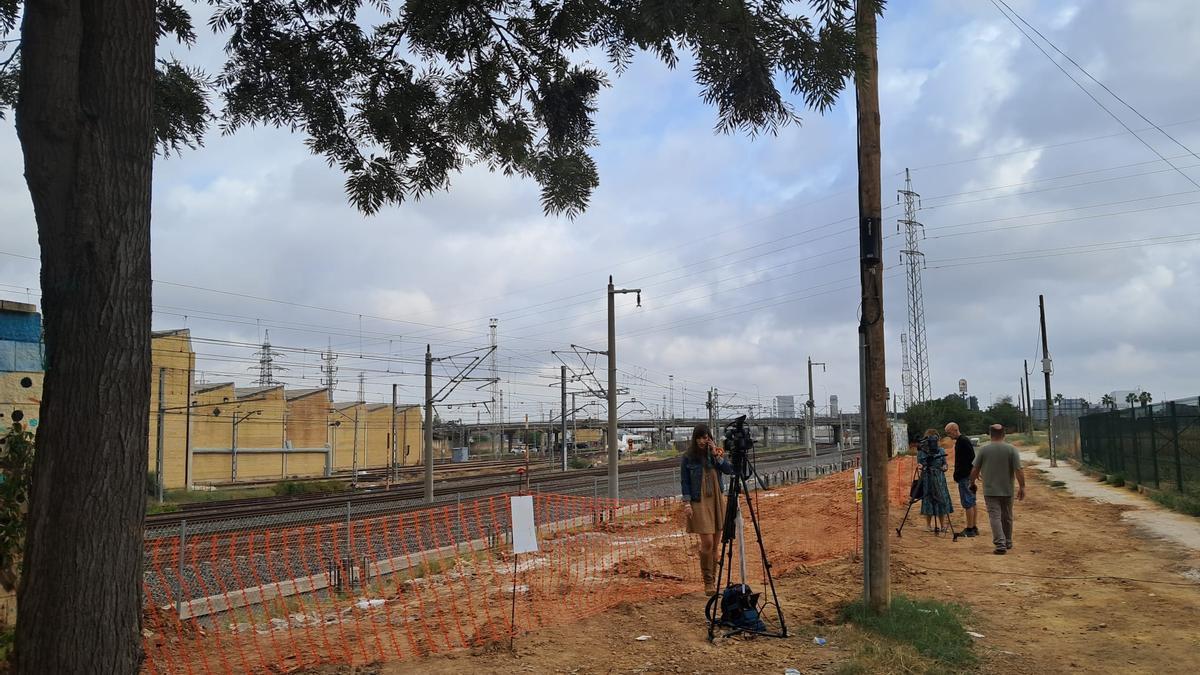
315	487
1058	484
16	477
1115	479
1187	503
938	413
7	635
579	463
934	629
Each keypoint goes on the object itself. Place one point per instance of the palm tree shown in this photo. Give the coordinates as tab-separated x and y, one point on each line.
1085	404
1131	398
1108	401
1145	398
1058	399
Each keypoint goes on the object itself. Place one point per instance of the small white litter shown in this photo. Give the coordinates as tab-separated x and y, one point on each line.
643	638
974	634
368	604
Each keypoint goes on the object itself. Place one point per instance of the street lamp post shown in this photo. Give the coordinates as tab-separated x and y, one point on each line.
614	454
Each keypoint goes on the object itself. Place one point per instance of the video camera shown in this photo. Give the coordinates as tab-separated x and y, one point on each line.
738	441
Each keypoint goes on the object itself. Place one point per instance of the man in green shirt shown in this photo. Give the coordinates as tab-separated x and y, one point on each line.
998	462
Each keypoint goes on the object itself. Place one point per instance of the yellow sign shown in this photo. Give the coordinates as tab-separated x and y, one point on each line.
858	486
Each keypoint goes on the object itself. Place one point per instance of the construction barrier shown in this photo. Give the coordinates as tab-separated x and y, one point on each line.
406	585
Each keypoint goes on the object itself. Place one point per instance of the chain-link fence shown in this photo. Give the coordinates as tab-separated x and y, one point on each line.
1155	445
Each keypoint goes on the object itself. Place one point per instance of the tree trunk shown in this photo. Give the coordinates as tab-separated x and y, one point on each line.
85	125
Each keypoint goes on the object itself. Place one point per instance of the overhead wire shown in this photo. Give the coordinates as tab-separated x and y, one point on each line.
1098	102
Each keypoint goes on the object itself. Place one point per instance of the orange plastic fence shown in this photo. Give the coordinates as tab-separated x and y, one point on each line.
406	585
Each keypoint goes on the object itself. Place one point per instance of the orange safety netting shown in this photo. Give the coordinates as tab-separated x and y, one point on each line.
405	585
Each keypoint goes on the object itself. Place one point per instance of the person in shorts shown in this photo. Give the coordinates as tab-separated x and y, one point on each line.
964	457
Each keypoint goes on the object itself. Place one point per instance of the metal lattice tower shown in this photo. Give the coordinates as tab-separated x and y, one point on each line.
906	382
922	391
329	369
266	366
362	385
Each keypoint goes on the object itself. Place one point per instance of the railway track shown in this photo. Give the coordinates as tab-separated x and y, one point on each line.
657	476
407	472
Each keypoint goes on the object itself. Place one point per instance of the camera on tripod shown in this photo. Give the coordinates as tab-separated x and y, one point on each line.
736	606
737	443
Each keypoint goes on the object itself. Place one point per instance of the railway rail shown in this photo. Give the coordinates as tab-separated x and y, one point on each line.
639	479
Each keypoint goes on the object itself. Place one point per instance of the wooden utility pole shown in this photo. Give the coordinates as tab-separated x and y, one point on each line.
876	581
1028	401
1047	366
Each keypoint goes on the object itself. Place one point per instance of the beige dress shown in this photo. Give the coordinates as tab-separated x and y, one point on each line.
708	514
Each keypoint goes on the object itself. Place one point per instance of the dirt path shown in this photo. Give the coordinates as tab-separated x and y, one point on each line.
1084	590
1152	518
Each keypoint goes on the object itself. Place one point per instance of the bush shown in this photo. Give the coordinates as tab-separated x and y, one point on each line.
290	488
1115	479
579	463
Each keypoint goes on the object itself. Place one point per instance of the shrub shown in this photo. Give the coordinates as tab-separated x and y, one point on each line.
579	463
317	487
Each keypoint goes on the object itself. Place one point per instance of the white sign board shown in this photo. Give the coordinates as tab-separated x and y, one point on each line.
524	530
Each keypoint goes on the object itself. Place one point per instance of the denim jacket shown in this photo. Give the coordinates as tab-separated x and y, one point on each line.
691	475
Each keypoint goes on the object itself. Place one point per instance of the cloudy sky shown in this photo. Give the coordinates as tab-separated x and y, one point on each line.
745	249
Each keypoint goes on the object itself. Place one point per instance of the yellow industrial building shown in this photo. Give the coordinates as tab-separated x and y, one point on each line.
219	432
223	433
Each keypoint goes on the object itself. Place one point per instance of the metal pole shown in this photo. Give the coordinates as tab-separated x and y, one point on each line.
187	434
233	442
354	446
158	446
427	451
563	424
1153	446
179	571
1047	366
1028	400
614	454
811	422
1175	442
808	419
392	470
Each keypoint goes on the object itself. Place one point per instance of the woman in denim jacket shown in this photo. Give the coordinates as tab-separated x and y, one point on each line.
703	487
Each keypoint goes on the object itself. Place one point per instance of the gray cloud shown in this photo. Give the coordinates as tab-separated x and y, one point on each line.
255	214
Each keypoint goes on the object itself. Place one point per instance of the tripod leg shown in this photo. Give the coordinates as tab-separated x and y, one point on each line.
905	518
762	550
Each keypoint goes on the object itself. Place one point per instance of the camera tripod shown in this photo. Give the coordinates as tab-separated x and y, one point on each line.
924	478
721	601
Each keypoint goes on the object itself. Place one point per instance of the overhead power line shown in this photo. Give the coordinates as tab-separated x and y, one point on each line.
1098	82
1002	6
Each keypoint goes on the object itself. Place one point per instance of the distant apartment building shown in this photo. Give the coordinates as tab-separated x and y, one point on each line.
785	406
